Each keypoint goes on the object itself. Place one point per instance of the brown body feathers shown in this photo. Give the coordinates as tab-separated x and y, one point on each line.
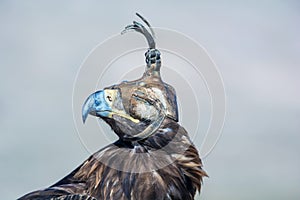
177	178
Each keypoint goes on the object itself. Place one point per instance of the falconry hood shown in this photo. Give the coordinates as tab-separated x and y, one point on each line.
146	100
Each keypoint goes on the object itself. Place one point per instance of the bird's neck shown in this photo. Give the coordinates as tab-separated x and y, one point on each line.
162	137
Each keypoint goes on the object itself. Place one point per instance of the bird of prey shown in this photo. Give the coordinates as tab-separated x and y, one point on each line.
154	158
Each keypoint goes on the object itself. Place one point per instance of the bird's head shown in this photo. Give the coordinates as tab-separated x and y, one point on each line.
105	103
136	109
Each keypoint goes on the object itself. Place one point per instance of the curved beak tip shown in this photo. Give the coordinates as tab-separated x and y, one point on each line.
84	116
86	108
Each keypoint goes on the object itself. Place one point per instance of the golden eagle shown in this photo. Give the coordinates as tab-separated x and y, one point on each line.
153	158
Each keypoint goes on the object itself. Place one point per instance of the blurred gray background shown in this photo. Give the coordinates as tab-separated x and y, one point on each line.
256	46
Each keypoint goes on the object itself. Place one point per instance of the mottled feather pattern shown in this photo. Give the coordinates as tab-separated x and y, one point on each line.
180	177
74	197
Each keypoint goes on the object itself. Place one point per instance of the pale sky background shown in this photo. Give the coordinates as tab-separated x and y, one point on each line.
256	46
